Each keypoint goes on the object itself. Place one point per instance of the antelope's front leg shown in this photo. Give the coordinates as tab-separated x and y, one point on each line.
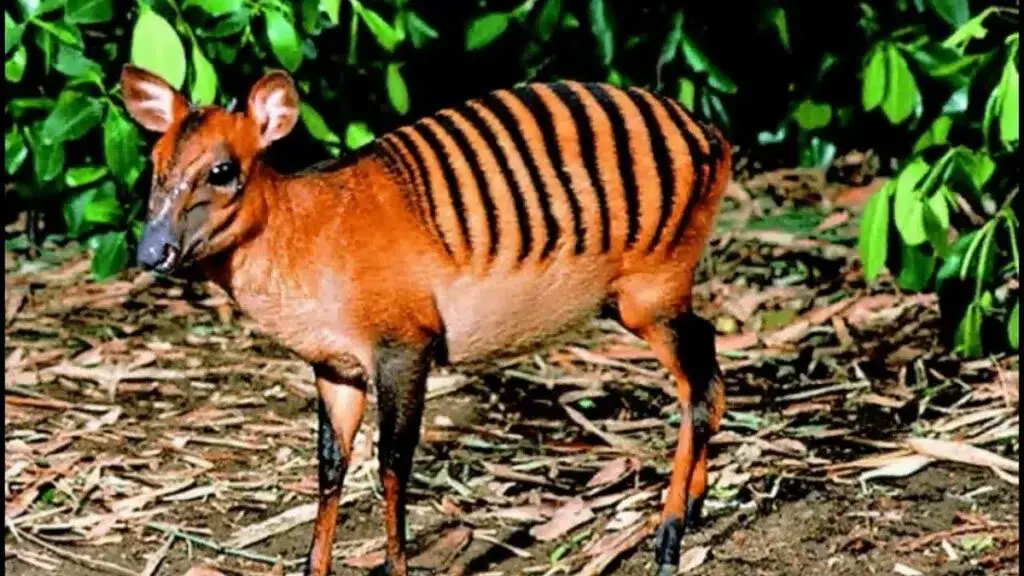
401	376
340	405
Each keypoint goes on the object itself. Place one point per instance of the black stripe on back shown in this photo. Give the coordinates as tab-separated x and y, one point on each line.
698	160
467	150
508	121
424	178
397	163
662	161
451	182
588	150
472	115
624	156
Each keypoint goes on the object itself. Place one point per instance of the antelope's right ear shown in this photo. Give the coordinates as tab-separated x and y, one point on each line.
152	102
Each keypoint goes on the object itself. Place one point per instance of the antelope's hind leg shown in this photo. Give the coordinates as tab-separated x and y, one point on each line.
340	405
685	345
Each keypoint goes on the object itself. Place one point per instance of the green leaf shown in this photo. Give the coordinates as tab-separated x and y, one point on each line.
954	259
811	115
419	31
94	208
15	150
936	224
1009	119
121	146
47	158
110	255
66	33
157	48
916	268
940	209
968	333
986	264
670	47
687	93
777	17
901	93
39	7
357	135
873	240
204	78
309	16
398	94
601	28
14	67
71	62
956	12
316	125
12	33
874	78
712	107
908	207
972	29
547	20
958	101
333	10
936	135
284	40
83	175
941	61
1013	326
817	153
72	118
386	35
485	29
88	11
217	7
229	26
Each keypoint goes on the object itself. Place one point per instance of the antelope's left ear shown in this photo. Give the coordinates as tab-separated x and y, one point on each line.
274	106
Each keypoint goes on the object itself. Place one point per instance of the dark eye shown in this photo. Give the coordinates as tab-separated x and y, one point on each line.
223	174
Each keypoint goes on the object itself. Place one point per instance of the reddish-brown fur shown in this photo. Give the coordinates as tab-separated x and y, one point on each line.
347	261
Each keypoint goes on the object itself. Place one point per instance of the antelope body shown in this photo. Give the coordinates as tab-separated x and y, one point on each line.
483	230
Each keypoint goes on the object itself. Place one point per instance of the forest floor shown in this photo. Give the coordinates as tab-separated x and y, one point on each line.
150	430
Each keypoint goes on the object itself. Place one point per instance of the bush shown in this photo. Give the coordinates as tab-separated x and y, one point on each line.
928	83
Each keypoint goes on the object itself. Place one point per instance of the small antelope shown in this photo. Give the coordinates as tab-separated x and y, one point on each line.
483	230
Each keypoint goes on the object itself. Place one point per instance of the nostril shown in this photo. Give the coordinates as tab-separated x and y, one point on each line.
170	255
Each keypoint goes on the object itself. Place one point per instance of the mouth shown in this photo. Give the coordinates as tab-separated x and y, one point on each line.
170	261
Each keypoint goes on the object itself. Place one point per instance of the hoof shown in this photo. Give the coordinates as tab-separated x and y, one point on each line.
667	541
667	570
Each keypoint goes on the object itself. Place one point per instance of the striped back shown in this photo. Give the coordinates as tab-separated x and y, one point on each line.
519	175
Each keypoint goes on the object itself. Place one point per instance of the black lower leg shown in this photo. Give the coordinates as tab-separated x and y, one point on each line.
667	542
331	467
694	508
401	373
694	348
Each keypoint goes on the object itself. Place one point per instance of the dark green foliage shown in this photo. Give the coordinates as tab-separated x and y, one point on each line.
930	84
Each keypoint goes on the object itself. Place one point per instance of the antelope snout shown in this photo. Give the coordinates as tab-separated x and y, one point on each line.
158	249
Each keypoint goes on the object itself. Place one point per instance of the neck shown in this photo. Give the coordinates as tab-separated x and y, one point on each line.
261	197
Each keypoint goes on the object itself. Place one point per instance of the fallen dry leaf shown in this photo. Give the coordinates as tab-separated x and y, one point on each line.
611	472
693	558
961	452
444	550
574	513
